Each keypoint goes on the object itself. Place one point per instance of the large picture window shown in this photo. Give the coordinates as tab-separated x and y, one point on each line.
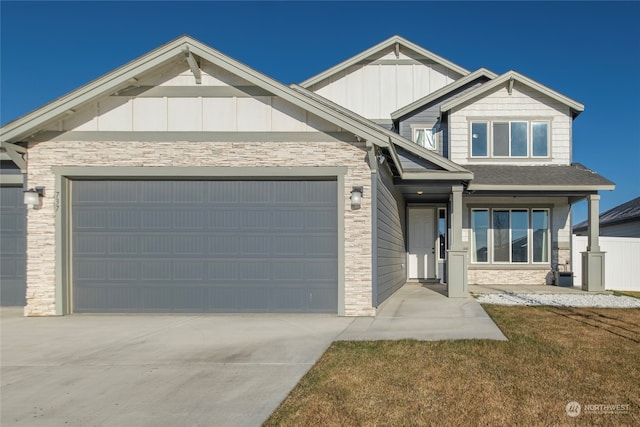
509	138
516	236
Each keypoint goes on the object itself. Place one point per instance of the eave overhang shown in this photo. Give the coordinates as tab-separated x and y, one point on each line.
482	72
511	78
396	42
541	188
392	138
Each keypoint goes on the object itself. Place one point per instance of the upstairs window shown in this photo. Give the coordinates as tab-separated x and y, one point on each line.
479	142
515	139
425	136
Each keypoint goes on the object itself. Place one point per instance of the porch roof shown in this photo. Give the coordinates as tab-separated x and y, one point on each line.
575	177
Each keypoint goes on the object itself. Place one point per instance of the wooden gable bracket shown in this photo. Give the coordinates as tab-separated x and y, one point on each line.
193	64
397	50
510	87
17	154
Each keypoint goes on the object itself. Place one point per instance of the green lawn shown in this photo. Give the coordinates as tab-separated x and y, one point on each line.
554	356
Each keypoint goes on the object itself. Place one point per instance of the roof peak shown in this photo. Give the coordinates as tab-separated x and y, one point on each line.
385	44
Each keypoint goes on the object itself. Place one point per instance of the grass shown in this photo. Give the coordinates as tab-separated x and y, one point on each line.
554	356
631	294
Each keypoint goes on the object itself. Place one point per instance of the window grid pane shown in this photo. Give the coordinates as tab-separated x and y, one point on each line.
519	236
540	226
540	145
480	235
519	139
501	243
501	139
479	139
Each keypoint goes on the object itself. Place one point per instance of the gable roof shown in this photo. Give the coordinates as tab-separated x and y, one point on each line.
514	76
573	177
626	212
482	72
124	76
393	138
392	41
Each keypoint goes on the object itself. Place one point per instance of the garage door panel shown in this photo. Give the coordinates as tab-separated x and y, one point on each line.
208	246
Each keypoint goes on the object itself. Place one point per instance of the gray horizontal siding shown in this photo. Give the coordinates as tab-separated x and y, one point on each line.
390	246
429	114
627	229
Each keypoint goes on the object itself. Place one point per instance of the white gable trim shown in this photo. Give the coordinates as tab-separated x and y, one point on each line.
395	40
482	72
509	78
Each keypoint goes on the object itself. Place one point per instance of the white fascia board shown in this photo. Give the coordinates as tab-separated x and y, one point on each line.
109	83
121	77
393	137
482	72
537	188
438	176
376	49
575	105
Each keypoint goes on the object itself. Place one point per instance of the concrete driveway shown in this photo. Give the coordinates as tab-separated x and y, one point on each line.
152	370
194	370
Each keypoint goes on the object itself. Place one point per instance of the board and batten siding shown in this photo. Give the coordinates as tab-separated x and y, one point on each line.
523	103
376	88
429	114
170	101
390	246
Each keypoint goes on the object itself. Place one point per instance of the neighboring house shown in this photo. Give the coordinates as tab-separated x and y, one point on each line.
185	181
620	240
621	221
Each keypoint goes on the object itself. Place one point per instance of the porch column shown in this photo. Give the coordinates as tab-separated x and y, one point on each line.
456	255
593	258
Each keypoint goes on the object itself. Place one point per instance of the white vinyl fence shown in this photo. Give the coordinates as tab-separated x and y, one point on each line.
622	262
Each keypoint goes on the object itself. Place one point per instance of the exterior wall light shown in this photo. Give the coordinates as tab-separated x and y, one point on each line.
356	197
33	197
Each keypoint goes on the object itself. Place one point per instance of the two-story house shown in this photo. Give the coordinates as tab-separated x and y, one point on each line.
186	181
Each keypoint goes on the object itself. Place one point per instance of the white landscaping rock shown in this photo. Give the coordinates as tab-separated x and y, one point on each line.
561	300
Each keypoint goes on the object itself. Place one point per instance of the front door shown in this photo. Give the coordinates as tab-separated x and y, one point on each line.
422	243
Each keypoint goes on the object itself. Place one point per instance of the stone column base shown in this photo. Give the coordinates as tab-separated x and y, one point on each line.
593	271
457	274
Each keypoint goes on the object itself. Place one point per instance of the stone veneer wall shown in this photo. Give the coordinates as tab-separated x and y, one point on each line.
508	277
41	223
542	276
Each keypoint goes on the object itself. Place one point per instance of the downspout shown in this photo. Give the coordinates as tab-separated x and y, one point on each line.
373	165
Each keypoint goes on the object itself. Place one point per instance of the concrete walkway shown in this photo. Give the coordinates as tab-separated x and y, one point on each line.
423	312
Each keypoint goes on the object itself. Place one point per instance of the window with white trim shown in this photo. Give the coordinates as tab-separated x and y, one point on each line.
509	139
513	236
425	137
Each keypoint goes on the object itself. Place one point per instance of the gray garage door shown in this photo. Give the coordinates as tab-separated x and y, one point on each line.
204	246
12	247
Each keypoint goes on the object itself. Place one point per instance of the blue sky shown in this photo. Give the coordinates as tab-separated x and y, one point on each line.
589	51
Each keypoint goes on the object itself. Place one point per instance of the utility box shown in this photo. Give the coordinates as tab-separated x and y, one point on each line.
564	279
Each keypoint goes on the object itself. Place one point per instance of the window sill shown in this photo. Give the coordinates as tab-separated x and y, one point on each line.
510	159
509	267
